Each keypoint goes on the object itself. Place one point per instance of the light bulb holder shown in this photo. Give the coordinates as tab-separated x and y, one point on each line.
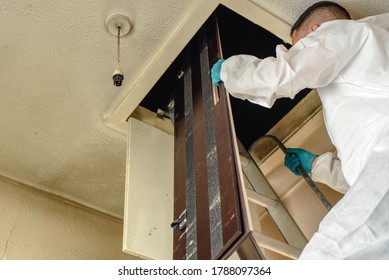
117	77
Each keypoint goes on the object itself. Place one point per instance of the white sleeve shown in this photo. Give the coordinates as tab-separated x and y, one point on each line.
254	79
328	171
311	63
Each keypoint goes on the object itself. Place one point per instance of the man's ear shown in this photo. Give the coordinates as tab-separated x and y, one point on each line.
314	27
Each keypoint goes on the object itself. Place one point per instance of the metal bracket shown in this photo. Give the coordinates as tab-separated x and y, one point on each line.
179	223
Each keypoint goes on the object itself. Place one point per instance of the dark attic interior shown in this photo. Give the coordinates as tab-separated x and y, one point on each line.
238	36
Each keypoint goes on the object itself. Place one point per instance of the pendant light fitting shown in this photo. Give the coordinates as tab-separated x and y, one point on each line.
118	25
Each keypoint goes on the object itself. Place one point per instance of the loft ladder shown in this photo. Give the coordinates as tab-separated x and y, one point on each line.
261	193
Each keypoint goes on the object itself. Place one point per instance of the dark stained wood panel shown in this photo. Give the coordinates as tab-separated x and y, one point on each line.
179	250
205	156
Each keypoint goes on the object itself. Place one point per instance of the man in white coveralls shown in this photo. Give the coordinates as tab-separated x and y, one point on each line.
347	61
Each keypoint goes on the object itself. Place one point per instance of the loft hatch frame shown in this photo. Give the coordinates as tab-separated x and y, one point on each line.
186	27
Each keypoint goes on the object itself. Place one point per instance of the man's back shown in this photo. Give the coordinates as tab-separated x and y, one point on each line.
355	102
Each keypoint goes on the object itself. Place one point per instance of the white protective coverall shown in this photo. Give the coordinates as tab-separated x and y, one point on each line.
328	170
348	62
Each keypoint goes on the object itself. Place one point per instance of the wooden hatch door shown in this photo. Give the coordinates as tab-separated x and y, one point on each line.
210	212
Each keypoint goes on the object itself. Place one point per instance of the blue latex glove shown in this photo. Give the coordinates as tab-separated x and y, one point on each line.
292	162
215	72
296	157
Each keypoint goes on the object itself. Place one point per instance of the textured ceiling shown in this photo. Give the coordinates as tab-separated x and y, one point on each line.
57	60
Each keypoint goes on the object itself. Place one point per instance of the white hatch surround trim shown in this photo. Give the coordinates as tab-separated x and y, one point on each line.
185	29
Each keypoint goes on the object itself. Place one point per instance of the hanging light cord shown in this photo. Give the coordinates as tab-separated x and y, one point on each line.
118	52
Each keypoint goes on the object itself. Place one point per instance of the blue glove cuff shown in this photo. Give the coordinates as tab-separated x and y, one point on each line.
215	72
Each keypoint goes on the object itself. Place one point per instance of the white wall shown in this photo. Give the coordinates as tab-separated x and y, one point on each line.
35	225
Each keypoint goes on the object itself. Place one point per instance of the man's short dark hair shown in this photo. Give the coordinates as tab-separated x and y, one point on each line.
335	8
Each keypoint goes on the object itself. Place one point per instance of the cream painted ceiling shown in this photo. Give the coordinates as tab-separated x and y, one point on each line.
57	60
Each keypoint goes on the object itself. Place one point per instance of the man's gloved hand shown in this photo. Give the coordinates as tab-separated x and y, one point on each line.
215	72
292	162
296	157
